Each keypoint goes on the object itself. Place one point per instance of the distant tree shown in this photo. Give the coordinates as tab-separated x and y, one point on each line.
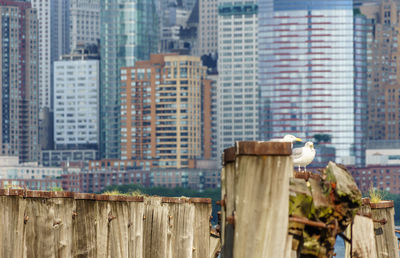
210	61
319	138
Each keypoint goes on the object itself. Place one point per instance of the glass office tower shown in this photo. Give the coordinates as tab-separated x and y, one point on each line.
128	33
312	74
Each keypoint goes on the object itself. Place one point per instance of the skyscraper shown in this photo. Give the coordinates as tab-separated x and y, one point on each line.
130	34
85	22
19	77
53	42
207	31
237	90
166	111
43	8
76	100
383	75
312	73
174	18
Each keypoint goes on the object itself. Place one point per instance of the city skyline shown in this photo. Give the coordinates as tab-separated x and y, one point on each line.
213	72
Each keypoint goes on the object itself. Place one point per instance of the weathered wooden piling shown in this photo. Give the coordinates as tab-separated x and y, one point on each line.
385	238
362	237
361	234
228	202
372	232
53	224
258	176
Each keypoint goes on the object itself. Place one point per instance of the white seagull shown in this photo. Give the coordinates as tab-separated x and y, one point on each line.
303	156
287	138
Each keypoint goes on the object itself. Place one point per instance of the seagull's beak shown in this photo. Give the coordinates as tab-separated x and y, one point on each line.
298	140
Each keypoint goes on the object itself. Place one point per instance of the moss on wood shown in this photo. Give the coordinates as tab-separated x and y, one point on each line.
334	200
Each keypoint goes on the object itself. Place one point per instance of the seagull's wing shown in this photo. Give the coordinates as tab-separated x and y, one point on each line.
297	153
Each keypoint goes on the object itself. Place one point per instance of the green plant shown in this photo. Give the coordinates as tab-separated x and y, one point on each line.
13	187
375	195
116	192
56	189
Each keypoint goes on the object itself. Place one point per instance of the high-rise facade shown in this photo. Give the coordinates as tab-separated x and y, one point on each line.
85	22
213	78
60	28
43	8
188	4
76	101
19	76
166	111
53	42
312	73
174	18
207	31
130	34
237	89
383	72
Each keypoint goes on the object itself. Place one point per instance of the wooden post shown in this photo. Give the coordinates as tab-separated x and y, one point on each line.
362	239
361	233
228	202
262	171
385	238
12	226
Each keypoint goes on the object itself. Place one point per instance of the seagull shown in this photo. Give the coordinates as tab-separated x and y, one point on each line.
303	156
287	138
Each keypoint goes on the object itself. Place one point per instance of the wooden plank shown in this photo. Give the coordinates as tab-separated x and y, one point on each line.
155	228
262	196
182	230
62	225
135	229
201	230
118	237
215	246
103	210
362	236
227	248
12	209
39	232
385	238
84	236
223	207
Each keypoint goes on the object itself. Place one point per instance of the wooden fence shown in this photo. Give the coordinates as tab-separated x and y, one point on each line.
65	224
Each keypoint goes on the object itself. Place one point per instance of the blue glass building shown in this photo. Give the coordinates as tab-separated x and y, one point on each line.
312	74
129	32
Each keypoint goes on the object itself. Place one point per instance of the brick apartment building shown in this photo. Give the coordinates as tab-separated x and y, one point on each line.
386	178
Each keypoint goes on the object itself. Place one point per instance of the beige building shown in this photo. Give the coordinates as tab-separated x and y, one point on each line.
208	27
165	111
